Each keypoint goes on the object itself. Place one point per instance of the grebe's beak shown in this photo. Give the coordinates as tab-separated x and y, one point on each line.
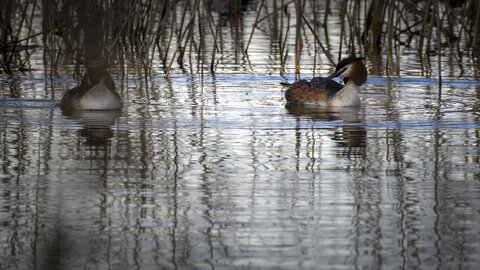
336	73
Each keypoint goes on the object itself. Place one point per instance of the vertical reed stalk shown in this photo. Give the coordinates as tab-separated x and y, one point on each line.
476	31
314	8
439	44
343	11
389	39
424	26
298	40
285	51
327	12
254	25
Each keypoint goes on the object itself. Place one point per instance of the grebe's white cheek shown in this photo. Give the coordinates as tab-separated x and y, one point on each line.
346	73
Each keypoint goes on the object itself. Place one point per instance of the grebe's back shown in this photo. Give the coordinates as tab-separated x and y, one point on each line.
96	92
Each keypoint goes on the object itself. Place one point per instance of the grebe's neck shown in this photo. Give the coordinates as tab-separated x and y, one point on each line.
347	96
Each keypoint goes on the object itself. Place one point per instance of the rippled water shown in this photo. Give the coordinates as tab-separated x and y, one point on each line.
214	171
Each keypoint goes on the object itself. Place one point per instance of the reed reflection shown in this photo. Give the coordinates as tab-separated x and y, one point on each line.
349	133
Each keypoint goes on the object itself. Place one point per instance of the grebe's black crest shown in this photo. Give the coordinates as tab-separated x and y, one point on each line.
347	61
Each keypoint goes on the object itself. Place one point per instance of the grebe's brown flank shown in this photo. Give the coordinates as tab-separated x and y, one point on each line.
326	92
96	91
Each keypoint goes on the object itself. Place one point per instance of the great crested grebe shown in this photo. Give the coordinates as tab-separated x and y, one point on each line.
96	92
325	92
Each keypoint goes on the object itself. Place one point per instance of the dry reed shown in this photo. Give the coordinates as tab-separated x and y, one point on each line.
190	32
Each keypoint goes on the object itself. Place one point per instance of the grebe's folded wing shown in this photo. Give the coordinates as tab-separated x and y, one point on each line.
74	94
328	85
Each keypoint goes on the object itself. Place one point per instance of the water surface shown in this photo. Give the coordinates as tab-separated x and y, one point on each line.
214	171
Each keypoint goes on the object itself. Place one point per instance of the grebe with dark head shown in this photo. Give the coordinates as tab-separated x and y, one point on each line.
96	91
326	92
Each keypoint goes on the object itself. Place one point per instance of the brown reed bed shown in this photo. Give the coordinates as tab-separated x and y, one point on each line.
190	35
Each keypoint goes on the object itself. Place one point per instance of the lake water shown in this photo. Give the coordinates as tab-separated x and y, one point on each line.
214	171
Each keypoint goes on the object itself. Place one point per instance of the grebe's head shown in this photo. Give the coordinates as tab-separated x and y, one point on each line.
351	68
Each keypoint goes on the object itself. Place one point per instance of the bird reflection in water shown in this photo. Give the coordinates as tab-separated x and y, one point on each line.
349	134
97	125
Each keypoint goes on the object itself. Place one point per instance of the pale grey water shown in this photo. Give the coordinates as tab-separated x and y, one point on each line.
215	172
219	173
